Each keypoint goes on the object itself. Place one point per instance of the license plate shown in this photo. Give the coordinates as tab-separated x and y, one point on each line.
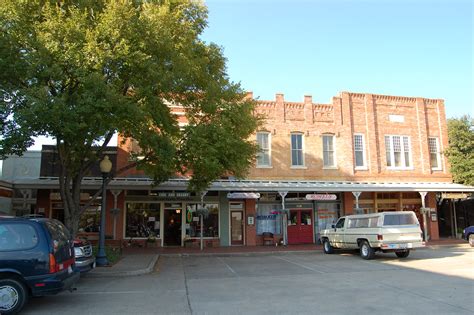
397	246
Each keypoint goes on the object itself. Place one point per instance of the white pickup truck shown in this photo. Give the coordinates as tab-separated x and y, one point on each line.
397	232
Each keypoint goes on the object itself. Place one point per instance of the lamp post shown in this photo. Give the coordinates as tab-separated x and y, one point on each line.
105	168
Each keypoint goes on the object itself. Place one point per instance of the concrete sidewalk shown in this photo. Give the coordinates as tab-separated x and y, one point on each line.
140	261
127	266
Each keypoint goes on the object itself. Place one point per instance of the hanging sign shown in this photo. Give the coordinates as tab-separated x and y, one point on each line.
189	216
243	195
321	197
453	195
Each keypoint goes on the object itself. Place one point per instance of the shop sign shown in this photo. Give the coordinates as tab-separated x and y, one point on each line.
324	197
243	195
454	195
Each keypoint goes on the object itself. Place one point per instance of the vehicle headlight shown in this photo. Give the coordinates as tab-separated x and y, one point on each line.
78	252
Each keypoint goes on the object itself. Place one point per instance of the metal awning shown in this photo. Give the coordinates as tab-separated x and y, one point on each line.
253	185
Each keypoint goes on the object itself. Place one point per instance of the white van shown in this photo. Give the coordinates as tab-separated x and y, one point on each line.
397	232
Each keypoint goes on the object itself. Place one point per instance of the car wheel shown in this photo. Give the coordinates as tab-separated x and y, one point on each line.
471	239
13	296
328	249
402	253
366	251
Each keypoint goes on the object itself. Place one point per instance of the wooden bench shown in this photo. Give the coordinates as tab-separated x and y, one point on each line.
268	239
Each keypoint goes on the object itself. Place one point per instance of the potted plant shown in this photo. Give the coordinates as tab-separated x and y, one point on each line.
151	241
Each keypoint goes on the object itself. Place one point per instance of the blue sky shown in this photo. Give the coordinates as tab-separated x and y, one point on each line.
410	48
320	48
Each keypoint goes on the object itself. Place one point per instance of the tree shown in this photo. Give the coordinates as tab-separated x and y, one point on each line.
80	71
461	149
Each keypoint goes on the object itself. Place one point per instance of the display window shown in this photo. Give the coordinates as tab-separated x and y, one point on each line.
210	226
142	220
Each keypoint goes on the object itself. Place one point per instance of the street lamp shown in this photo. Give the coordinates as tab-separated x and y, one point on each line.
105	168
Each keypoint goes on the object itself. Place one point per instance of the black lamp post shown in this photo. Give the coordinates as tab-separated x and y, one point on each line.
105	168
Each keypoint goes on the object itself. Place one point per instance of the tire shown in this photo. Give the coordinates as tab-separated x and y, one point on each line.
402	253
366	251
470	238
328	249
13	296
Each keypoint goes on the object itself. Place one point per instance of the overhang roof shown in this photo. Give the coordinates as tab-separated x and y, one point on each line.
253	185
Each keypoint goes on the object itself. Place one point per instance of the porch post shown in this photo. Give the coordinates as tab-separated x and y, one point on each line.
425	216
285	217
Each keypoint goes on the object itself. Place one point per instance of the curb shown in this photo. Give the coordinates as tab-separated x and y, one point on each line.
286	252
131	273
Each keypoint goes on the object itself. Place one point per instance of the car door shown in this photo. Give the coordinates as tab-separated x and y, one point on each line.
339	234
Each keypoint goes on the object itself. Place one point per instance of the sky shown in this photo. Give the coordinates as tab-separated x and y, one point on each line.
410	48
320	48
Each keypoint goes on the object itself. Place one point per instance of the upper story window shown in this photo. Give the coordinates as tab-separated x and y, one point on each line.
359	151
328	151
435	156
297	157
397	150
264	154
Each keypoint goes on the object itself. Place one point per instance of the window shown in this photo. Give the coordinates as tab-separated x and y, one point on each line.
400	219
142	220
328	151
397	149
434	153
210	226
340	223
359	151
17	237
268	218
297	149
263	156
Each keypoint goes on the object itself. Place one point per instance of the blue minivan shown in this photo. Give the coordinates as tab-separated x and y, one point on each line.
36	259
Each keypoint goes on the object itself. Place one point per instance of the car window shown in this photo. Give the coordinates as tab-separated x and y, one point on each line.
400	219
340	223
17	236
59	233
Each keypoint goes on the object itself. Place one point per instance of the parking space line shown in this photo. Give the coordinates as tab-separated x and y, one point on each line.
300	265
228	267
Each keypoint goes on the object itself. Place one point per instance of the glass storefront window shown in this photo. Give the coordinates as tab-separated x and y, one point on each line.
210	223
268	219
142	220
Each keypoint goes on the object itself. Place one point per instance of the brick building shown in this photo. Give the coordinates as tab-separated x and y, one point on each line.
359	153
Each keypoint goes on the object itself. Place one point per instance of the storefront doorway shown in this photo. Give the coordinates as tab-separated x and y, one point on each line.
237	227
172	227
300	226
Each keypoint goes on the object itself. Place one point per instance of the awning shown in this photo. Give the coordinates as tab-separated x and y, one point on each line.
253	185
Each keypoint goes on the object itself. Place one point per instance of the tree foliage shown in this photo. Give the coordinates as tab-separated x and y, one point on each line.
461	149
80	71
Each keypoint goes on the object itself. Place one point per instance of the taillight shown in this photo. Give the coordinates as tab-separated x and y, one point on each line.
379	237
52	264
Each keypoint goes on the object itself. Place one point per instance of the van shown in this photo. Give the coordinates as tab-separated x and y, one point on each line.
36	259
397	232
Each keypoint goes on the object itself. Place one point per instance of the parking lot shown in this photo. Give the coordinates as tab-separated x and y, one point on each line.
431	281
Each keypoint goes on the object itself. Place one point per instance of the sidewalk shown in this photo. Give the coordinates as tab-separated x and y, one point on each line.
140	261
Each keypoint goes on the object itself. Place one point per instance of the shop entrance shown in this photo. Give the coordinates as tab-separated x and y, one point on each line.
237	227
300	226
172	227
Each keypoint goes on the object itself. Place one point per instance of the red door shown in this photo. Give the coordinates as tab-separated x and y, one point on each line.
300	226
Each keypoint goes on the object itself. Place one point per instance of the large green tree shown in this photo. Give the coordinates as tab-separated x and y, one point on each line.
81	71
461	149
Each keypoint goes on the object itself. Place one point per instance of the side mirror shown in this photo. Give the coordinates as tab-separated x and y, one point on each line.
333	226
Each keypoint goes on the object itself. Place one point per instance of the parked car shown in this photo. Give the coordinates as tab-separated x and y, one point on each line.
85	260
468	235
397	232
36	259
